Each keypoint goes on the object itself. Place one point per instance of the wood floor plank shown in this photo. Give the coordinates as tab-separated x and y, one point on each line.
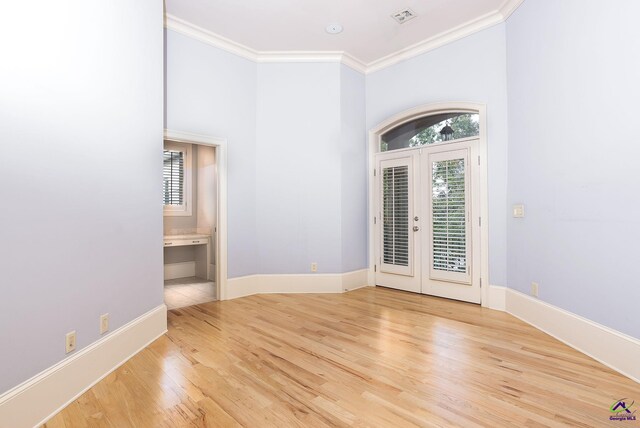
372	357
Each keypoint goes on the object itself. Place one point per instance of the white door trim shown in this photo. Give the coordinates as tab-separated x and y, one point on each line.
427	110
220	145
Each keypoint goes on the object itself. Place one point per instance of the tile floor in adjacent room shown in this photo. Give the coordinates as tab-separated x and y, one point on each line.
190	291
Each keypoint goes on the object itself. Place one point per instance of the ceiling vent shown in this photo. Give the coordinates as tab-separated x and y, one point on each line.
404	15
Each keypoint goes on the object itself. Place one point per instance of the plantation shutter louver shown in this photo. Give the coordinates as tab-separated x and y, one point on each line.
449	228
173	177
397	238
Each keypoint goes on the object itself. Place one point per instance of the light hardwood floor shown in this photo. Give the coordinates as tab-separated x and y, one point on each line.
371	357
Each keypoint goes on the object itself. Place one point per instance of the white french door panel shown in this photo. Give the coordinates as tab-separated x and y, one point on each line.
447	195
450	259
398	249
427	236
396	196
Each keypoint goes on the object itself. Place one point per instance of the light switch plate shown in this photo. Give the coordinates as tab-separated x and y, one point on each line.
518	211
104	323
70	341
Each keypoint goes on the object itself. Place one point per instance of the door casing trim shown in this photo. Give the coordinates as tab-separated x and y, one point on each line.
220	144
414	113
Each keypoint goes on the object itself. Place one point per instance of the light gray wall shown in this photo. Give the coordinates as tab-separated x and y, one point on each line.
213	92
311	160
354	170
472	69
296	154
81	136
573	89
298	167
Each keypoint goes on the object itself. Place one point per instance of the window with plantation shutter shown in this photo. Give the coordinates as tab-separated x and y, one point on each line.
173	174
176	179
396	211
449	214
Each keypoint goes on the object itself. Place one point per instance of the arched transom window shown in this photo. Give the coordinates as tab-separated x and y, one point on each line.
436	128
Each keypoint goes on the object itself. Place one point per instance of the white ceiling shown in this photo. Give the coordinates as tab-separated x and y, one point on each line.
370	34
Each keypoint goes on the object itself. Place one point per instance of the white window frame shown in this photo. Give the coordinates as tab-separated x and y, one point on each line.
185	209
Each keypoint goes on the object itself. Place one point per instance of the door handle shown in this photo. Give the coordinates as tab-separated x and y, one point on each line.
416	228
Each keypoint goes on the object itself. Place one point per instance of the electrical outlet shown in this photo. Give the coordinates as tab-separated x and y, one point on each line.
518	211
314	267
104	323
534	289
70	341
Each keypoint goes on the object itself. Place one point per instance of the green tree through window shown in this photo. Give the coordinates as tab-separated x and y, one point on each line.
465	125
426	130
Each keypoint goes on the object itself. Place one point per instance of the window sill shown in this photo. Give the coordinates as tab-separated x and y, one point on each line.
177	213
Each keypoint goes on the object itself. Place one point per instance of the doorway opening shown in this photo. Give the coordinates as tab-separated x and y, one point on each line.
428	202
194	219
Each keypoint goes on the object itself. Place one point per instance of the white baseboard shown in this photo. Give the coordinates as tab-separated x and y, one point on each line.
295	283
179	270
354	280
38	399
608	346
497	298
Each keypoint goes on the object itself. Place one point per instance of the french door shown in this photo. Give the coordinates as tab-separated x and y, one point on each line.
426	238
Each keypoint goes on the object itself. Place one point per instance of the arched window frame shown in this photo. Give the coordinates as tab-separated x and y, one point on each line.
433	110
402	131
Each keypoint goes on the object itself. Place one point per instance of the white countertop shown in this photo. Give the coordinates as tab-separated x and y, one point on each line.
188	236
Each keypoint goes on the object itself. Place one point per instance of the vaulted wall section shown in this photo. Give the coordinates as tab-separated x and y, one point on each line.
81	129
573	152
297	154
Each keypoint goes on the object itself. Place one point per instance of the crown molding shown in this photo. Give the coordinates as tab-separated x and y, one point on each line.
508	7
188	29
312	56
353	62
468	28
488	20
436	41
299	56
